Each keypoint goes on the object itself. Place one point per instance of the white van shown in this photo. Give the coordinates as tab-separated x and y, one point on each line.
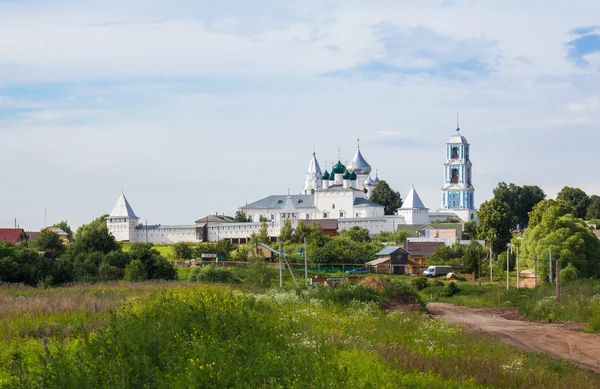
436	271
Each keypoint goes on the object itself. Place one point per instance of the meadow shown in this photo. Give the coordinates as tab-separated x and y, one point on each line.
183	334
580	300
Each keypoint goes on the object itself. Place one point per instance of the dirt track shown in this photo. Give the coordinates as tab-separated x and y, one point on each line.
560	341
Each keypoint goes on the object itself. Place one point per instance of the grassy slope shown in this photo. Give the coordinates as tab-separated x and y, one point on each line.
189	335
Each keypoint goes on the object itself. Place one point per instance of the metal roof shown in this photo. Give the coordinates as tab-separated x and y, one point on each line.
276	202
413	201
358	164
389	250
288	205
362	202
122	209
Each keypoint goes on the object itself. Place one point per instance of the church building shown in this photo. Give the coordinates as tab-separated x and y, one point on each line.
341	195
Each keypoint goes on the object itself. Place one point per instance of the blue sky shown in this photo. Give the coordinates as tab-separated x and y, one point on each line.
195	108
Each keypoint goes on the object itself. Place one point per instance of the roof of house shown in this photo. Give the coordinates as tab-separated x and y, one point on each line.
390	250
421	248
57	231
326	224
277	201
377	261
13	235
32	235
122	209
271	249
216	219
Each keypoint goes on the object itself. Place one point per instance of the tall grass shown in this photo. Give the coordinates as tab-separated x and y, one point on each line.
184	335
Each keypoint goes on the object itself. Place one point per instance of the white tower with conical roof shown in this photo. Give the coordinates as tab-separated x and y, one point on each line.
413	210
313	179
122	221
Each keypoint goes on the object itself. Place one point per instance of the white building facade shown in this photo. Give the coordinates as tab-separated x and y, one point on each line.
342	194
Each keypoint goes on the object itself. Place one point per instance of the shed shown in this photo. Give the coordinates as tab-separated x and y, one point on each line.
390	260
418	253
261	250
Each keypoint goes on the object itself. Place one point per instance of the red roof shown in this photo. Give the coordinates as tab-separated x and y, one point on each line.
12	235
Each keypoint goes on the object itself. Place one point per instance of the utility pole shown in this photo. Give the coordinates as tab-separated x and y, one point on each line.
536	271
479	263
305	265
507	268
518	285
557	281
280	268
491	269
550	265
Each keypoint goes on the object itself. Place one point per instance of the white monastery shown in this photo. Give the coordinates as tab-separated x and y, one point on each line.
340	196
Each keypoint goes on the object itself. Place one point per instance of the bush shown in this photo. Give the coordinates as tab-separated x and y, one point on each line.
450	290
259	274
569	273
212	273
135	271
420	282
438	282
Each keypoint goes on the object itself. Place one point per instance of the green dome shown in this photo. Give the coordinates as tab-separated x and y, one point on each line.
346	175
338	168
325	175
353	176
332	177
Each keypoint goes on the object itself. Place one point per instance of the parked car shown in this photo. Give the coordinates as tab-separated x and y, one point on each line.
358	270
436	271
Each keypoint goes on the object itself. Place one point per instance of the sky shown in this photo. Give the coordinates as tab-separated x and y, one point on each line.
195	108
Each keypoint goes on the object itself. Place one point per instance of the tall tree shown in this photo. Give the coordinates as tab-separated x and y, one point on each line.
263	233
593	210
520	199
357	234
241	217
569	238
285	234
50	242
384	195
470	230
561	208
94	236
577	198
495	223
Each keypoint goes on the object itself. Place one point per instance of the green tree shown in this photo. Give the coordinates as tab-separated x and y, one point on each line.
442	254
21	264
50	242
495	222
357	234
183	250
384	195
65	227
286	231
94	236
263	219
263	233
155	265
593	209
300	232
241	217
577	198
470	230
561	208
569	238
520	199
135	271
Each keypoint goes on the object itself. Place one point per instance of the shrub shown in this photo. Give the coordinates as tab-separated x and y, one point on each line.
259	274
438	282
212	273
450	290
420	282
135	271
569	273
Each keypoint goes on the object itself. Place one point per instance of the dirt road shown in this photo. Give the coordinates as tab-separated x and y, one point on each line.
560	341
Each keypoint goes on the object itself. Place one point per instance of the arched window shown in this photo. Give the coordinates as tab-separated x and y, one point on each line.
341	214
455	153
324	215
454	179
332	206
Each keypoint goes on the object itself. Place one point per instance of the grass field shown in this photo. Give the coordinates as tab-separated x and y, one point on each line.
181	334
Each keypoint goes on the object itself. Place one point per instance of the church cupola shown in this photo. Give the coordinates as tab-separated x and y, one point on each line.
338	170
325	178
346	179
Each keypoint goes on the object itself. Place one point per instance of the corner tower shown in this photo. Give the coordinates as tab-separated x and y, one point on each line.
458	190
122	221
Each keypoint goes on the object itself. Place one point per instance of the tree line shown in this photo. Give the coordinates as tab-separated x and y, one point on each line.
94	255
